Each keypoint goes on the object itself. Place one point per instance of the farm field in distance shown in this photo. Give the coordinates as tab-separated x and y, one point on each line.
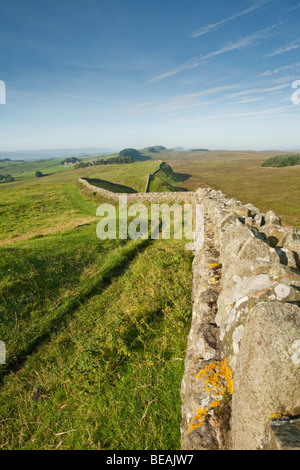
239	174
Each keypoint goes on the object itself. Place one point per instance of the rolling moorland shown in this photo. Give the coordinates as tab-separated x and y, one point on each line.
96	343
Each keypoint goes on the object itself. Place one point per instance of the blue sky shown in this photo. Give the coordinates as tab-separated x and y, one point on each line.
129	73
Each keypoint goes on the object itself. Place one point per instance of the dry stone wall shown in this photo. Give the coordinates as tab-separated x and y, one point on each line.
150	176
241	384
180	196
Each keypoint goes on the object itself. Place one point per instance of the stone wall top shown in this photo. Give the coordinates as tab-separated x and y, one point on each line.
246	315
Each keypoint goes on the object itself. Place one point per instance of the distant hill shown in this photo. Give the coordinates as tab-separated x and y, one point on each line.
136	155
130	152
181	149
155	149
282	160
52	153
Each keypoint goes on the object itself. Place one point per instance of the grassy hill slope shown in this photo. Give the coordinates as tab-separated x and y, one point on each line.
95	330
32	206
165	180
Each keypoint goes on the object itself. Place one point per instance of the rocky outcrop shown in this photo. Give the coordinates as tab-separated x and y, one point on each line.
242	369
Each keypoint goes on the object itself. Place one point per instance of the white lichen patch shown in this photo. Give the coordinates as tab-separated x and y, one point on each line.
248	286
237	337
282	291
294	351
238	334
241	301
266	259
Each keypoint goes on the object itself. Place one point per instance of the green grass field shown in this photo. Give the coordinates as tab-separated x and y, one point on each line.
133	175
95	331
32	206
96	359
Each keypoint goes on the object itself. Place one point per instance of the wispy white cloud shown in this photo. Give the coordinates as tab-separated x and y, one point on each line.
287	79
180	102
242	42
251	39
253	114
247	100
212	27
294	8
252	91
216	95
267	73
283	49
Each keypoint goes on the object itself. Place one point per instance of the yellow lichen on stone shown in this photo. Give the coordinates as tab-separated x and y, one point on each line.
200	416
218	380
275	416
214	265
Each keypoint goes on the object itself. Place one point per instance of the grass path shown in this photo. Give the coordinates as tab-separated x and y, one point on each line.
77	201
